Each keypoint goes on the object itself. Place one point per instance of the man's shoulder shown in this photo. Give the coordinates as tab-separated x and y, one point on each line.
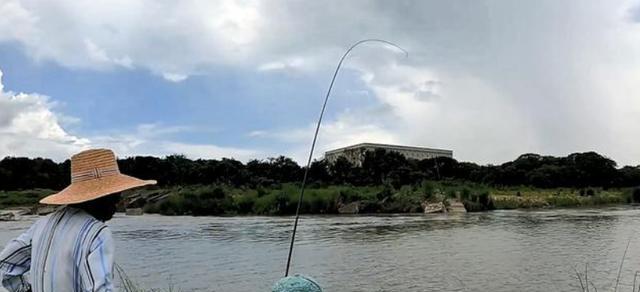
70	217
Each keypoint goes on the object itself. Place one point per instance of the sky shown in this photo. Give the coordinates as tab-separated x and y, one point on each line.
489	80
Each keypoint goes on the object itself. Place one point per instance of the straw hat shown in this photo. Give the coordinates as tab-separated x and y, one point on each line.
94	174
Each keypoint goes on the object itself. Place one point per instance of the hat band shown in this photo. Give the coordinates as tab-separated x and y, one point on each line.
93	174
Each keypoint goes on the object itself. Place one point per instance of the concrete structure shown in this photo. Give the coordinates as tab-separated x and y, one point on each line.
355	153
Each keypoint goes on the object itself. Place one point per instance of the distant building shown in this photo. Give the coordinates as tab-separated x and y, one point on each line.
355	153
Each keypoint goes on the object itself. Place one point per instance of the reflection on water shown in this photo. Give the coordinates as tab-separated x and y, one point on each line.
497	251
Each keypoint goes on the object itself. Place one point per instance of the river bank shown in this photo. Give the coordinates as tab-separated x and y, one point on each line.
202	200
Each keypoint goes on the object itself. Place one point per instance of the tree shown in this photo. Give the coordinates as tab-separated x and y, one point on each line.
341	171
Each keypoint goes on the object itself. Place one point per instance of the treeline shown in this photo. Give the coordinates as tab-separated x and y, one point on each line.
578	170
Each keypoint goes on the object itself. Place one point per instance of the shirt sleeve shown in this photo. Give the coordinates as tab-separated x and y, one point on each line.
100	261
15	261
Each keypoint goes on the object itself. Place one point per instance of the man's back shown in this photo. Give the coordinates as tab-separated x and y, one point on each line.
68	250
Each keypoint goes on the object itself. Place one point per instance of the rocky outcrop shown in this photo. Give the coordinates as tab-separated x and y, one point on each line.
430	208
13	214
351	208
44	210
456	207
8	216
134	212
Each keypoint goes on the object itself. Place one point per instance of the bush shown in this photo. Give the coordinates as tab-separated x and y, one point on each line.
245	203
428	189
385	194
477	202
349	195
515	202
635	195
465	194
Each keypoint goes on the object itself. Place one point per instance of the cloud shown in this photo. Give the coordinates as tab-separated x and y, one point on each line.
258	133
172	40
492	81
489	79
634	13
174	77
211	151
132	144
349	128
29	126
157	140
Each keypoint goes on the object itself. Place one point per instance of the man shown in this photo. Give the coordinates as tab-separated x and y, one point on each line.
72	248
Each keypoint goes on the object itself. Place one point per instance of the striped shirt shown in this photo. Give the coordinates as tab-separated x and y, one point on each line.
69	250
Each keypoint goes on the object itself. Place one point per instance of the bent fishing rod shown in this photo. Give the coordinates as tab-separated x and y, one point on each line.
315	138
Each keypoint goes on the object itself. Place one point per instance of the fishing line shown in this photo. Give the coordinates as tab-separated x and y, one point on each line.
315	137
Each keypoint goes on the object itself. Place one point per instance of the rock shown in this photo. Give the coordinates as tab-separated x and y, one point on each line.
20	211
8	216
434	207
134	212
456	207
351	208
45	210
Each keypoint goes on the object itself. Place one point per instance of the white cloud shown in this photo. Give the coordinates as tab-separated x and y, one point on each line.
29	126
174	77
156	140
257	133
347	129
170	39
489	79
210	151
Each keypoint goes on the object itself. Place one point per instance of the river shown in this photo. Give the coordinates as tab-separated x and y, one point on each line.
494	251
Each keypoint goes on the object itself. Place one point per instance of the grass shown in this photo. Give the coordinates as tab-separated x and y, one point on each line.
511	198
206	200
587	286
129	285
282	199
23	198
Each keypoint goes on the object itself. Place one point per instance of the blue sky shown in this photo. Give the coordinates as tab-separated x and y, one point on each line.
489	79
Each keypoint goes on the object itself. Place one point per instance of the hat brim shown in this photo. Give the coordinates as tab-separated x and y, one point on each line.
84	191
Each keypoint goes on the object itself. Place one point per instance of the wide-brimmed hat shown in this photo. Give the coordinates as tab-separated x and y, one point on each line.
94	174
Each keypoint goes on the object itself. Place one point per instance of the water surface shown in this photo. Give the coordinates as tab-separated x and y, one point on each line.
495	251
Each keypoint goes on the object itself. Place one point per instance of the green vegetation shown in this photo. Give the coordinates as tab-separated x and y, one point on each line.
385	182
28	198
524	198
207	200
281	200
378	168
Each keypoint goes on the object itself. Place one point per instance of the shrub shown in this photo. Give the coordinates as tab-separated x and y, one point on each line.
635	195
428	189
385	194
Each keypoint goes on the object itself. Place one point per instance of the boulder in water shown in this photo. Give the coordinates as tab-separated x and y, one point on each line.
351	208
134	211
456	207
8	216
430	208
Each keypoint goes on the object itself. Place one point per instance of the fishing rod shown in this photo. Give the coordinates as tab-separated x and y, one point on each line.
315	137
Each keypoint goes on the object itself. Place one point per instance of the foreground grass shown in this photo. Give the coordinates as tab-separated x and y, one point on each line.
129	285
